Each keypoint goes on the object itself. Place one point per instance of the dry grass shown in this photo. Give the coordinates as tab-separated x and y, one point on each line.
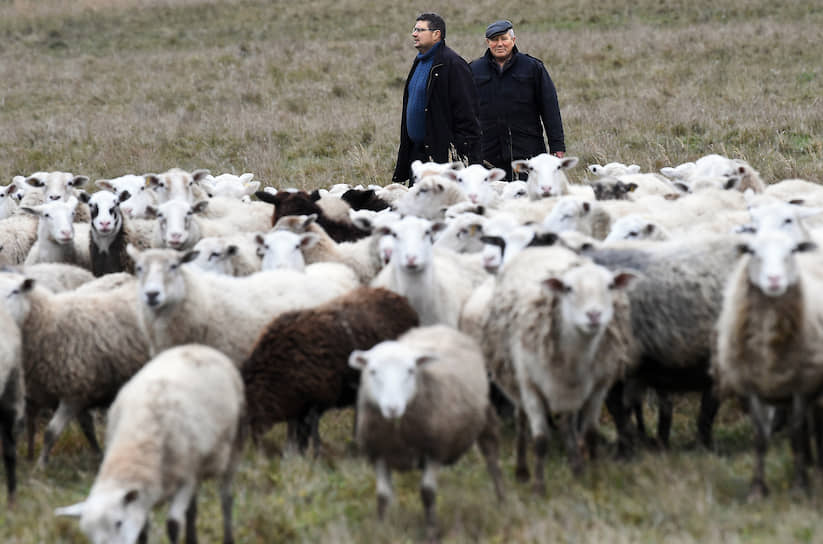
308	93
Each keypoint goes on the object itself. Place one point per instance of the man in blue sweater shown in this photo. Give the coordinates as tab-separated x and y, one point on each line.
516	94
439	103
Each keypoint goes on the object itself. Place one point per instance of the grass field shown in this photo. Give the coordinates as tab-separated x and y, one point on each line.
307	94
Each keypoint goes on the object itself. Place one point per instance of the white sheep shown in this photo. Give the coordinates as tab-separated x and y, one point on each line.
230	186
59	239
179	184
636	227
770	339
547	176
176	423
424	397
462	234
563	325
430	196
139	198
8	204
179	305
613	169
476	181
574	213
515	189
437	283
420	169
231	255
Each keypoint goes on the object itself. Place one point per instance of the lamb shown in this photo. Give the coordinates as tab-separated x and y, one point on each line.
111	231
547	176
178	305
56	238
573	213
230	255
568	326
437	283
424	398
299	365
300	203
175	424
78	348
12	398
769	337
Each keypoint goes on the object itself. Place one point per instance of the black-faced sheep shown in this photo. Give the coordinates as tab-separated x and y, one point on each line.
301	203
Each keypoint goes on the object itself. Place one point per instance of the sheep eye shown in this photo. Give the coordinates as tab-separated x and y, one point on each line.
138	269
632	234
173	267
788	221
118	524
214	256
423	191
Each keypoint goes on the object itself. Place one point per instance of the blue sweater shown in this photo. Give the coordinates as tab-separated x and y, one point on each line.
416	106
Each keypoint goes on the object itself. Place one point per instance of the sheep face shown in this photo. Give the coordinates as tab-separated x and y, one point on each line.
420	169
515	189
547	176
57	185
139	198
631	227
389	375
110	517
784	217
7	202
230	186
567	214
772	266
475	180
284	249
160	282
428	196
413	241
175	184
13	290
56	220
214	255
174	219
104	208
587	296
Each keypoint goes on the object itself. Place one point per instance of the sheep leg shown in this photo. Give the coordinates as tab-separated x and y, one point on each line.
664	419
761	423
384	490
32	411
522	441
180	503
64	414
571	441
7	423
428	494
536	412
617	409
800	404
226	503
817	427
191	521
143	537
489	442
86	421
709	404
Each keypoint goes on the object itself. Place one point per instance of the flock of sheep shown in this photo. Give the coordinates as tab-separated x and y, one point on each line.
198	315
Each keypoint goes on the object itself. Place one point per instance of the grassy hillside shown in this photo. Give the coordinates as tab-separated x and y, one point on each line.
307	94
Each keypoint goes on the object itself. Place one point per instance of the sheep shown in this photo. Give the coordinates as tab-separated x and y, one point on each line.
308	373
177	184
564	326
12	398
573	213
230	186
476	181
794	190
430	196
230	255
78	348
57	240
769	336
613	169
673	308
462	234
420	169
180	225
391	193
437	283
60	186
546	173
178	305
364	200
176	423
8	205
111	231
515	189
140	195
611	188
300	203
636	227
56	277
424	399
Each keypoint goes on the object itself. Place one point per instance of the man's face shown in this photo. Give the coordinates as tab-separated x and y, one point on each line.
501	46
424	37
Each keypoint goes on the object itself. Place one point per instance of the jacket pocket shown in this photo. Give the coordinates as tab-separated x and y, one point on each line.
524	88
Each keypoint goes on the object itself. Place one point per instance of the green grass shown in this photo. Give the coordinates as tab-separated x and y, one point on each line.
307	94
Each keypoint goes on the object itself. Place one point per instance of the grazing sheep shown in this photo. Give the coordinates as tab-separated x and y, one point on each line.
78	348
769	339
563	326
176	423
12	397
424	401
299	366
180	305
300	203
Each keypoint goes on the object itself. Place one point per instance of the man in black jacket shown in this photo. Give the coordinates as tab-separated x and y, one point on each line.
439	103
515	93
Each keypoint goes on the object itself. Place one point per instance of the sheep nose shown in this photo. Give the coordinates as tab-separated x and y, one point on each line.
594	316
411	260
105	224
176	236
54	197
152	297
65	234
773	280
473	198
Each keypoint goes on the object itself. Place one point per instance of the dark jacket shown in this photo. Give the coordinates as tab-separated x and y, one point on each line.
451	114
512	104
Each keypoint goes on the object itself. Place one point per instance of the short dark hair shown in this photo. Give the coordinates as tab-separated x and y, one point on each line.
435	21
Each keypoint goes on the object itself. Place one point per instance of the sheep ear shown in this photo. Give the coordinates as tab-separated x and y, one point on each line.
623	280
425	359
73	511
568	162
357	360
555	284
631	187
494	241
33	211
308	240
197	175
200	207
124	196
35	181
152	180
451	174
105	185
83	196
805	246
496	174
251	187
438	226
189	256
79	181
519	166
266	196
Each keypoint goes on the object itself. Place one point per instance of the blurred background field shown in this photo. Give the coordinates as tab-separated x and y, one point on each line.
307	94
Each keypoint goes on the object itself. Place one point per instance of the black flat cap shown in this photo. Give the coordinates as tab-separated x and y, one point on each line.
498	27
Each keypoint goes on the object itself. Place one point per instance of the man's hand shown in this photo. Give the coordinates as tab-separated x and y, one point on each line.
559	154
